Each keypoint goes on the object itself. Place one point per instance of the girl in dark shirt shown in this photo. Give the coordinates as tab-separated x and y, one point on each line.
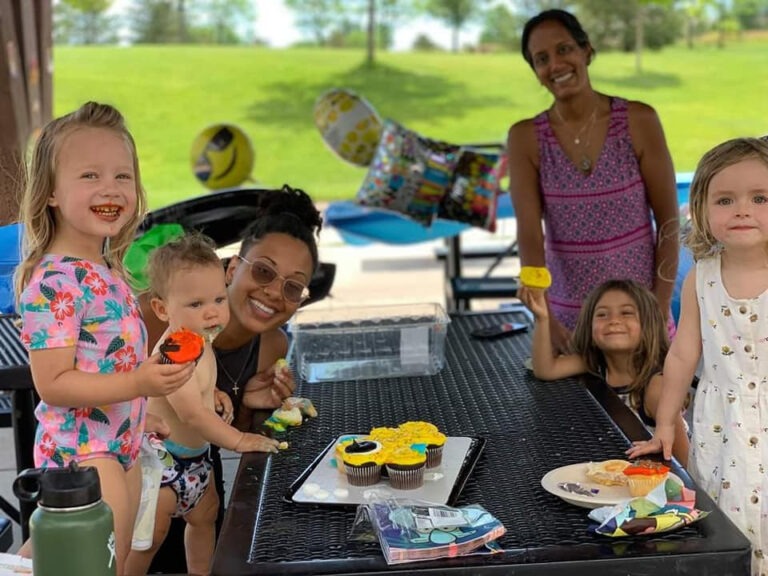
621	335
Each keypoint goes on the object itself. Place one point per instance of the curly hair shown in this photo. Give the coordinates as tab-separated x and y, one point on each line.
286	211
35	213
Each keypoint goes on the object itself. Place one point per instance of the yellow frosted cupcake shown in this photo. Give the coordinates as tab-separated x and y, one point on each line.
362	460
429	435
405	467
339	448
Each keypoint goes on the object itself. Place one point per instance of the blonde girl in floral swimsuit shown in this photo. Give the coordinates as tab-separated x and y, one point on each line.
724	321
81	324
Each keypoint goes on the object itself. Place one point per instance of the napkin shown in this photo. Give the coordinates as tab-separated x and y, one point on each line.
667	507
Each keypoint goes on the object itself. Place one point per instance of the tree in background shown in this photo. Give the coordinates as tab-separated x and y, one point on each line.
695	17
317	18
501	29
154	22
630	25
83	22
351	23
455	13
197	21
751	14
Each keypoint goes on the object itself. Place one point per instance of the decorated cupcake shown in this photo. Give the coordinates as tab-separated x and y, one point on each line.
427	434
644	475
339	449
362	460
182	346
405	467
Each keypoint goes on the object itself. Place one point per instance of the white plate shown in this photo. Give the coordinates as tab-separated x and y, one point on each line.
326	485
599	494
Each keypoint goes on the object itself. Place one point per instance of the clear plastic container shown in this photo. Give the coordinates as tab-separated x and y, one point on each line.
369	342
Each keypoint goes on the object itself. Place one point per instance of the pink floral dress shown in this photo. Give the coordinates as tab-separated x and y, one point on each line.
729	446
77	303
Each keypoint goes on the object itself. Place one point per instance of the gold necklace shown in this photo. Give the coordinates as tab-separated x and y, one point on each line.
585	164
235	381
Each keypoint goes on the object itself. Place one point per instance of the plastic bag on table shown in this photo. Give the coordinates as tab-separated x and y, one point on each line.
410	530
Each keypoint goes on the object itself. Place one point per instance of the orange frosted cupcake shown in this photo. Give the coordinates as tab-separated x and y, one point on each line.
644	475
182	346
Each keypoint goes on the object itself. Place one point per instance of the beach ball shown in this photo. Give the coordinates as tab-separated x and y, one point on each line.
349	125
222	156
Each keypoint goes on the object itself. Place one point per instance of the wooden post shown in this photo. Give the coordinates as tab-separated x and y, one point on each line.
44	11
26	90
14	118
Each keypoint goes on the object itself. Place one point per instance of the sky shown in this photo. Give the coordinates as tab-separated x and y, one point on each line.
275	25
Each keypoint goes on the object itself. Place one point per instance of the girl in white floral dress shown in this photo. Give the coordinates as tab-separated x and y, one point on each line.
724	320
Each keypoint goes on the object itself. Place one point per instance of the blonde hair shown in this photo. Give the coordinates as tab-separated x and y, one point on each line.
699	238
188	251
38	217
648	357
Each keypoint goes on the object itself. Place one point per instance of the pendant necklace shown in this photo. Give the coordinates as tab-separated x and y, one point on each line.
585	165
235	381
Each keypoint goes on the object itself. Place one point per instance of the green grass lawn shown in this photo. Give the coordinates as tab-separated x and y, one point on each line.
168	94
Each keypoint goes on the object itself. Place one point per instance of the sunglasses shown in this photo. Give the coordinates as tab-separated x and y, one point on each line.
264	274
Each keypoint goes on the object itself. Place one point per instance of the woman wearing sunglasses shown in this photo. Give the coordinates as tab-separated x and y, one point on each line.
267	282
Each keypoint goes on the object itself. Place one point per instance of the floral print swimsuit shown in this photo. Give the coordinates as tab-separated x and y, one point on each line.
70	302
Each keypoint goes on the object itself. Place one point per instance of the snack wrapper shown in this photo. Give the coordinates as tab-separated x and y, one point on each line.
667	507
410	530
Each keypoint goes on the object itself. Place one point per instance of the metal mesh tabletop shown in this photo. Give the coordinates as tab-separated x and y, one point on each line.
483	391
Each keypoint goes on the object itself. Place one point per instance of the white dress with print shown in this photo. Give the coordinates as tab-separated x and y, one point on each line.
730	419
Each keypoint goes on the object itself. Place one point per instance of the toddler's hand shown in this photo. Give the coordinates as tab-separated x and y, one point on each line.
156	379
256	443
661	442
223	405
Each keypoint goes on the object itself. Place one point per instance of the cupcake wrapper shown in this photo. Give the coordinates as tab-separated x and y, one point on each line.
434	456
165	360
364	475
406	479
641	486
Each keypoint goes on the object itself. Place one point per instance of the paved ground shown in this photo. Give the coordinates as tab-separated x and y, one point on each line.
369	275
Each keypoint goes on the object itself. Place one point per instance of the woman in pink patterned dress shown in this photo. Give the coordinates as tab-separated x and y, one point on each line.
82	327
597	169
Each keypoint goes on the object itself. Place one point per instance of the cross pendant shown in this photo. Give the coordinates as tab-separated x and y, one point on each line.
235	388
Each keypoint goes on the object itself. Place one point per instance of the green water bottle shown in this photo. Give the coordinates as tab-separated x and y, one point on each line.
72	529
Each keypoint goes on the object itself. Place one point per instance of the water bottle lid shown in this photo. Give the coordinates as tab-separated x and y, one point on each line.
68	487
